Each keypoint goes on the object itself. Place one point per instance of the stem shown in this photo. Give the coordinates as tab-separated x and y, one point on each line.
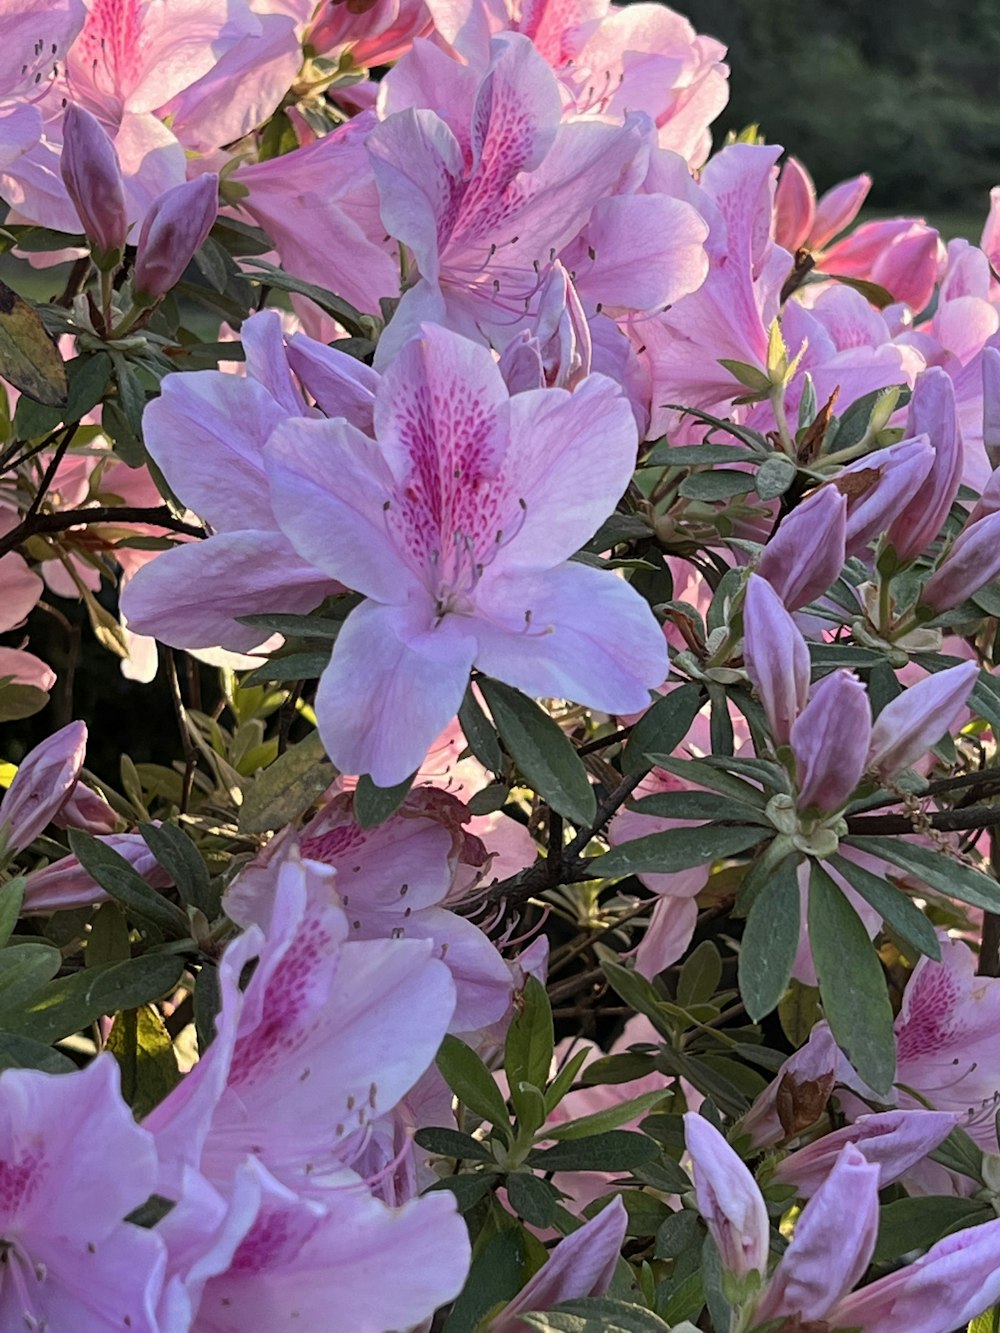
50	473
989	947
107	288
777	398
34	523
944	821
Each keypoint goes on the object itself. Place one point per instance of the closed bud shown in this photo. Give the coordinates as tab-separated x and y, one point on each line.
932	413
915	720
806	554
991	404
830	740
92	175
880	486
776	656
174	229
971	563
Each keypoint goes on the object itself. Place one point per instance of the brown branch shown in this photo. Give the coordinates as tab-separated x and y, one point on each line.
944	821
33	524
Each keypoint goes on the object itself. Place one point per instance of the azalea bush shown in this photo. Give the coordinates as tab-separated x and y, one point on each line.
565	898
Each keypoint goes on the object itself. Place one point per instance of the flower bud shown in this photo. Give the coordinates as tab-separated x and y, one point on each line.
174	228
794	205
776	656
837	209
879	486
971	563
830	740
92	175
932	413
42	785
991	404
728	1199
915	720
806	554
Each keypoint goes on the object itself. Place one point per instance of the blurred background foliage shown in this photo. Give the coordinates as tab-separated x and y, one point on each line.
906	90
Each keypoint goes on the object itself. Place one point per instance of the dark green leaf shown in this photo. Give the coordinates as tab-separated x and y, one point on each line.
700	975
123	883
530	1038
207	1002
179	857
499	1268
614	1150
295	627
775	476
11	900
617	1068
542	752
960	1152
467	1188
450	1143
770	941
19	701
900	913
24	970
73	1003
695	805
917	1223
29	359
24	1053
287	787
141	1044
374	805
939	871
718	484
532	1198
357	324
851	983
679	1232
676	849
700	773
472	1083
696	455
599	1122
292	666
663	726
87	378
108	941
479	734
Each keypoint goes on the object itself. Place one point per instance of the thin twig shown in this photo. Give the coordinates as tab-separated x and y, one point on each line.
32	524
50	472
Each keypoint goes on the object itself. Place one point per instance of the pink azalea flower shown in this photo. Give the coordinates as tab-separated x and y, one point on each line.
458	530
803	223
34	38
64	883
70	1259
209	432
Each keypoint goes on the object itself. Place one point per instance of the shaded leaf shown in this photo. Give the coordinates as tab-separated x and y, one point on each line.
374	805
287	787
662	727
770	941
676	849
29	359
123	883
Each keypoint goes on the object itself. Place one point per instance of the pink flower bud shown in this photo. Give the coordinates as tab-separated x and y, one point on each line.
894	1141
806	554
971	563
794	205
933	414
830	740
915	720
837	209
173	230
797	1095
909	267
92	175
776	657
728	1199
816	1270
880	486
42	785
989	502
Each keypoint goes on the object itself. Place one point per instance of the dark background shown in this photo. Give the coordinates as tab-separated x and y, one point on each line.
909	92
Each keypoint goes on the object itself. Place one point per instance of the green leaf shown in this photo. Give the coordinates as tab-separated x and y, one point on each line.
87	379
472	1083
542	752
108	941
295	627
718	484
700	773
676	849
499	1269
681	1231
564	1080
182	861
696	805
988	1322
851	983
530	1038
20	701
596	1315
665	454
450	1143
944	873
770	941
357	324
599	1122
123	883
960	1152
686	1301
916	1223
292	666
207	1003
900	913
24	970
799	1012
73	1003
775	476
613	1150
479	734
11	900
662	727
532	1198
621	1068
374	805
24	1053
287	787
468	1188
29	358
141	1044
700	975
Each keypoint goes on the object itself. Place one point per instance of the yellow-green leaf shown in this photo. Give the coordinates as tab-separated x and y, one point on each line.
29	359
